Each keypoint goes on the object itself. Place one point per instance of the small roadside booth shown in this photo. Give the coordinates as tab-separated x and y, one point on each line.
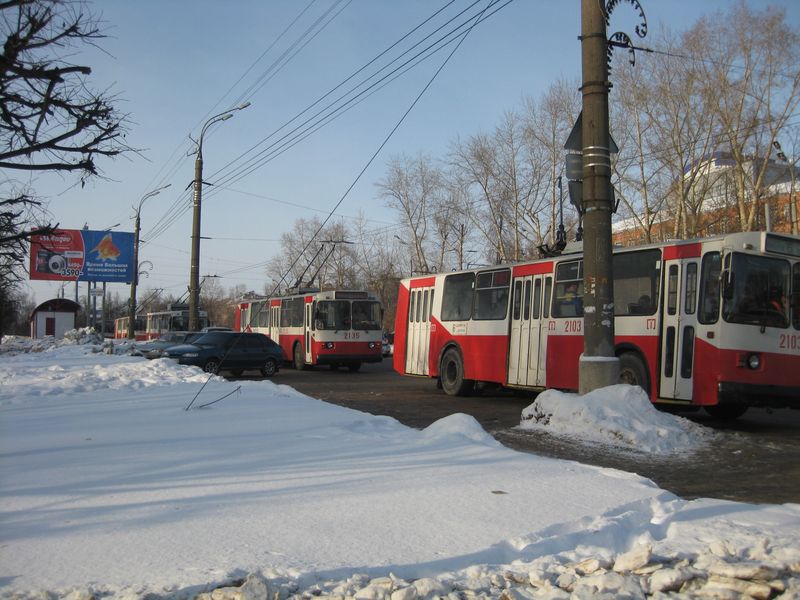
53	317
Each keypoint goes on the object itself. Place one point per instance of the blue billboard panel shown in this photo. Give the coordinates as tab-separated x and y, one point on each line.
83	255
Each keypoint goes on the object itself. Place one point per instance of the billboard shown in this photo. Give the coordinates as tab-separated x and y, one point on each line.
82	255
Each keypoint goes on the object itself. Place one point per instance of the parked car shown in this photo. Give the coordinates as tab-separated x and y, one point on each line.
230	351
387	345
155	348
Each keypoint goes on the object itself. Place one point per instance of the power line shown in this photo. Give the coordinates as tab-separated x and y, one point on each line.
336	110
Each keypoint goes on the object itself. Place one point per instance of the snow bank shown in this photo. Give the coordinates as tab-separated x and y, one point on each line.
619	415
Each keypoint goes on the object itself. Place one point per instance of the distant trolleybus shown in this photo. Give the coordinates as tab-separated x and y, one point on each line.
121	328
336	328
712	323
175	318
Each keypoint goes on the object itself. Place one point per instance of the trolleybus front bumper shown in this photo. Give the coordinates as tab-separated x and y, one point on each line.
343	359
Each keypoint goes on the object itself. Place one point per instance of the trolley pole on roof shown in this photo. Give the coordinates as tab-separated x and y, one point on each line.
598	365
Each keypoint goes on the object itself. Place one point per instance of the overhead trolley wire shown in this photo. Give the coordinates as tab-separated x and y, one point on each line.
463	35
178	210
442	41
178	207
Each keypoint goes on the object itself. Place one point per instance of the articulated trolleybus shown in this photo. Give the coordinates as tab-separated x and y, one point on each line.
712	323
336	328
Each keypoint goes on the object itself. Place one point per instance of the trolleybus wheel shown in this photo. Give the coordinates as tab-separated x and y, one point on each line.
452	375
633	372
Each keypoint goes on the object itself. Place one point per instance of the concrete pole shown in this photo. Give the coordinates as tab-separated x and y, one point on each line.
194	275
598	365
134	281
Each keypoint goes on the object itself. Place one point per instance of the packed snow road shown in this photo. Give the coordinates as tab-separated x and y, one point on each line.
754	459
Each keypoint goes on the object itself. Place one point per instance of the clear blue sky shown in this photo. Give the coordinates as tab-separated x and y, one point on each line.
174	64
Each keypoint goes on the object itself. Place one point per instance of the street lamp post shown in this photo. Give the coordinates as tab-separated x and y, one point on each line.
135	281
194	274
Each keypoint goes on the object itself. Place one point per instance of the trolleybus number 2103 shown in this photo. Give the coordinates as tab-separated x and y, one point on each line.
712	322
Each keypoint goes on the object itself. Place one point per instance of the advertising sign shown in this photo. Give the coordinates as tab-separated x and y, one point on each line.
82	255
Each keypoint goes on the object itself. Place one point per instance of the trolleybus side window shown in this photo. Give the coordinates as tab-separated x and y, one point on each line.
527	309
709	288
568	300
636	278
672	290
457	297
548	286
690	300
537	299
491	294
517	299
292	312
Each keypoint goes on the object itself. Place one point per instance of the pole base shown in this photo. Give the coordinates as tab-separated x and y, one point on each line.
595	372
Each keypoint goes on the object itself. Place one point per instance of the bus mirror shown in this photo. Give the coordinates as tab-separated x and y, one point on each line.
727	284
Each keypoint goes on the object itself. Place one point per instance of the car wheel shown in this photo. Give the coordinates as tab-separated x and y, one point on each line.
633	372
270	367
452	375
211	366
299	359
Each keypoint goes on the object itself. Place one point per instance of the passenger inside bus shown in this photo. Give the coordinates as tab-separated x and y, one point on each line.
570	303
644	306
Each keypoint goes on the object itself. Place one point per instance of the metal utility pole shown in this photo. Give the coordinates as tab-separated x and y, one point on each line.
194	274
598	365
134	283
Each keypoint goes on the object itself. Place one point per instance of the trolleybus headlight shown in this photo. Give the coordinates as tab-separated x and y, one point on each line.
372	345
753	361
329	345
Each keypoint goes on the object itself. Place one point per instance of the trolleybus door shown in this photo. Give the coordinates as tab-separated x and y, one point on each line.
419	330
679	325
525	336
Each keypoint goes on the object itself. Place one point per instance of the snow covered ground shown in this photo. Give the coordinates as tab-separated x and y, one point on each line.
110	487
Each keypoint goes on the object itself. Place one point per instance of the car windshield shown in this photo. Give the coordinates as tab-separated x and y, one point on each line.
760	287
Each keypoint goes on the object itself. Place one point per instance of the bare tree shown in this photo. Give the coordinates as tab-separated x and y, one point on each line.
752	84
548	124
411	188
50	120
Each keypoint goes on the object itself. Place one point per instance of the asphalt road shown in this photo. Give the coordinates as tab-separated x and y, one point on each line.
754	459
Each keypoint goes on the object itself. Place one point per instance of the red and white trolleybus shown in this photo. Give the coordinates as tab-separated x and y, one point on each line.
175	318
121	328
336	328
712	323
